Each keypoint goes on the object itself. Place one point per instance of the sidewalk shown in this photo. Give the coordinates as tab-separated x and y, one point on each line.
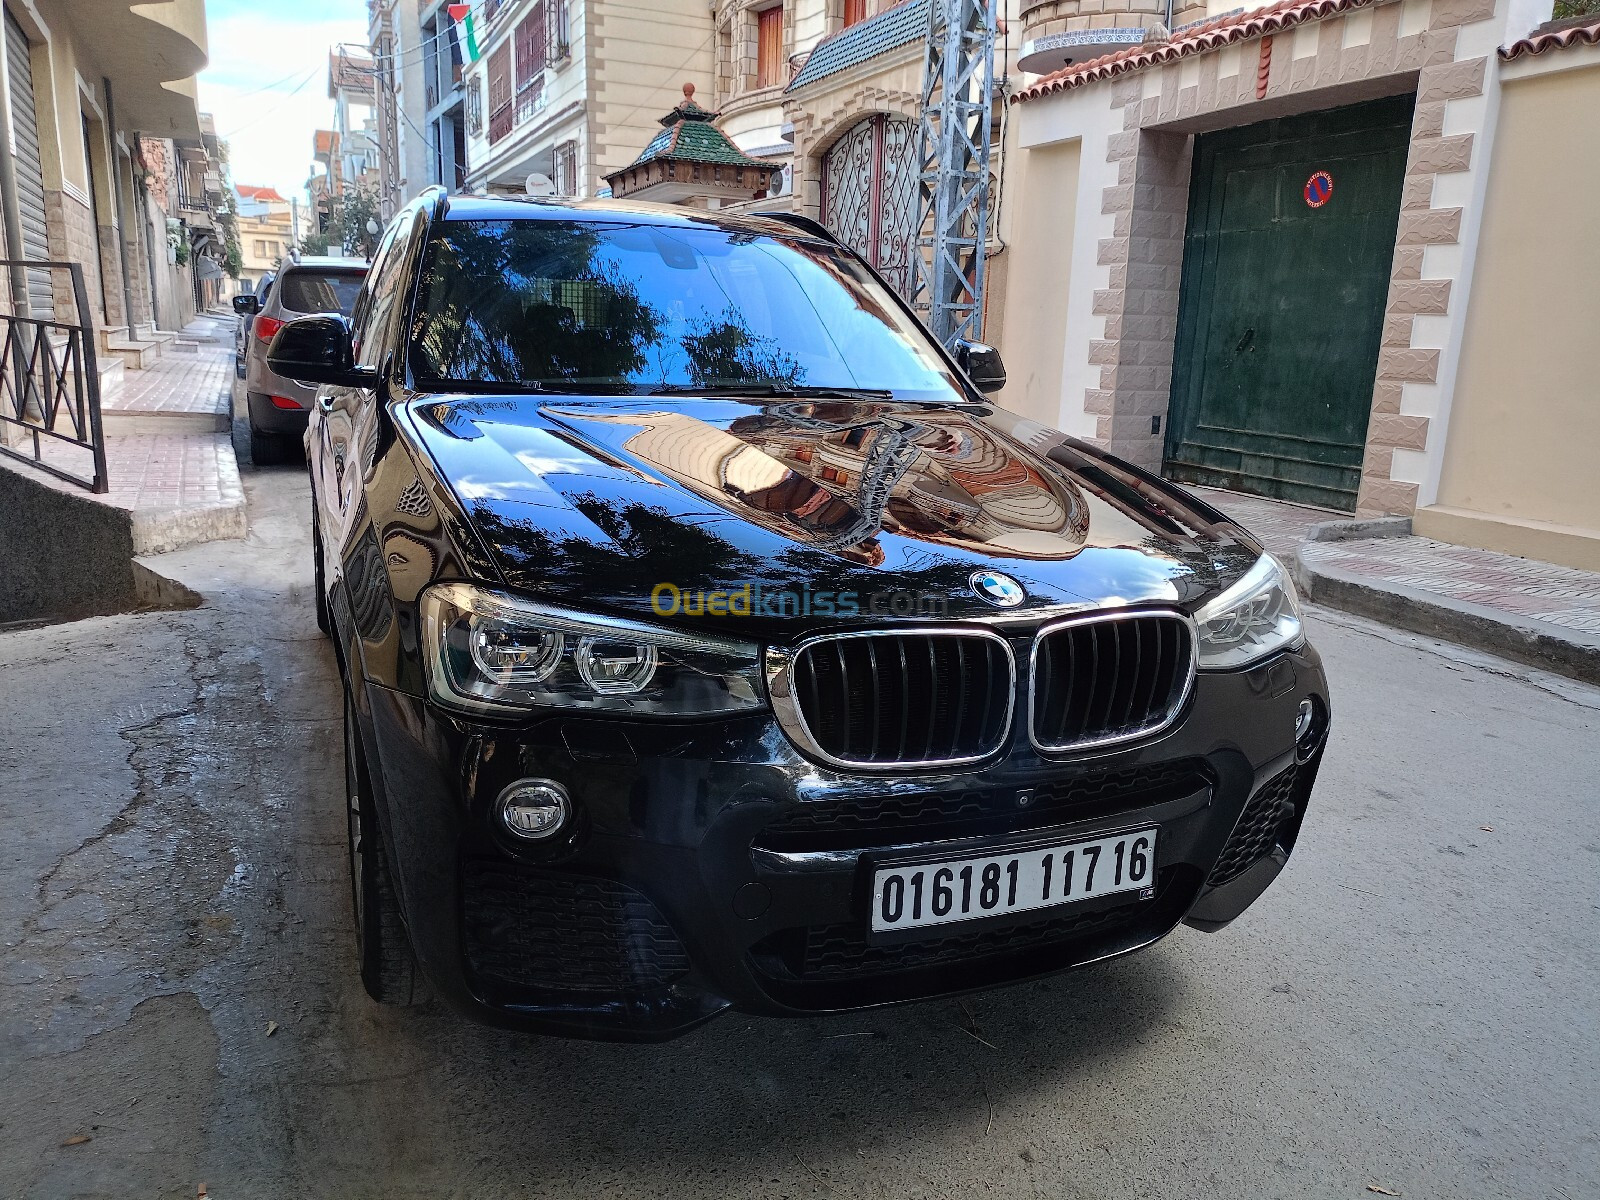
169	451
1532	612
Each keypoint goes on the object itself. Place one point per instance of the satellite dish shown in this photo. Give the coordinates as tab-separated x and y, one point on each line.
540	185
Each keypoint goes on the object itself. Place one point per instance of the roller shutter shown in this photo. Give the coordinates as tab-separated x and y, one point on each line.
30	174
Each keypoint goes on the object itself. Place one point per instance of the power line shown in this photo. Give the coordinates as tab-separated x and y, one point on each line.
267	112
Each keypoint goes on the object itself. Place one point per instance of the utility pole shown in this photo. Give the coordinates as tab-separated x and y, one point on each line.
953	151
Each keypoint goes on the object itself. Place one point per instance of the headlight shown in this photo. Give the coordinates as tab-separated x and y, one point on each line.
488	652
1255	617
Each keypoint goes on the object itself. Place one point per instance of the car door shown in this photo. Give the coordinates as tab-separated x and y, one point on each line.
344	416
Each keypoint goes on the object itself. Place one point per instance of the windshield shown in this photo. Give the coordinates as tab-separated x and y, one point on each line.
619	306
320	291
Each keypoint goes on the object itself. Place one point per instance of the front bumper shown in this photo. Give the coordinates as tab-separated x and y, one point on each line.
710	866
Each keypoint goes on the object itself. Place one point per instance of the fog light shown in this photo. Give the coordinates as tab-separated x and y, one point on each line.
534	809
1310	727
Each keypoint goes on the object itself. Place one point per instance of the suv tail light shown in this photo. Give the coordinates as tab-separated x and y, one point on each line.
267	327
286	402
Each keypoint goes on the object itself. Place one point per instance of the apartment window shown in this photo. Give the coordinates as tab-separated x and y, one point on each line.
263	249
725	63
475	105
500	110
566	169
532	45
560	29
854	11
769	47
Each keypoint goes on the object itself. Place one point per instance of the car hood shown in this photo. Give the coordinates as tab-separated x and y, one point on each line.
599	503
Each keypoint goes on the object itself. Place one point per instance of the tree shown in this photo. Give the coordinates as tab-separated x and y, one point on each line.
1575	8
233	251
358	208
314	243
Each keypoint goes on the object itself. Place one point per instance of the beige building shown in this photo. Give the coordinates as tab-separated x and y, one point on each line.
266	231
1333	251
572	89
104	139
1516	467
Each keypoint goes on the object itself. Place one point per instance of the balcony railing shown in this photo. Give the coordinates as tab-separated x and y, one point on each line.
530	99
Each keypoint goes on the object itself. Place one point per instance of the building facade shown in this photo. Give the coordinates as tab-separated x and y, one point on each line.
1277	251
572	89
349	155
420	110
113	167
443	117
267	231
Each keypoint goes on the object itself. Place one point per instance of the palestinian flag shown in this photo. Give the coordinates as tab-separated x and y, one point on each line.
461	14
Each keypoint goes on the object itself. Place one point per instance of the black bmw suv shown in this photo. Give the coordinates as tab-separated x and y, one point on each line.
710	641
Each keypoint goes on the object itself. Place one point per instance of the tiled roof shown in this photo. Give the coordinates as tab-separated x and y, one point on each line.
350	71
1586	33
1209	35
690	136
907	22
264	194
696	141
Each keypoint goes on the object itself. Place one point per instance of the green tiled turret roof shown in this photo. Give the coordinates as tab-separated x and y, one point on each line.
691	136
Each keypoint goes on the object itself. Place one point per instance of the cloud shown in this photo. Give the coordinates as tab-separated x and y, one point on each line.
267	83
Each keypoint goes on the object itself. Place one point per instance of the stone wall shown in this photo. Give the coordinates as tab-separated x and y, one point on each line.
72	239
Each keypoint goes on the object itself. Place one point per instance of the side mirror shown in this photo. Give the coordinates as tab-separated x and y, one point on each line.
247	304
982	365
318	350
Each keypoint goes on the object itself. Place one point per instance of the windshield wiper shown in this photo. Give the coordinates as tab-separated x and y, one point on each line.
766	388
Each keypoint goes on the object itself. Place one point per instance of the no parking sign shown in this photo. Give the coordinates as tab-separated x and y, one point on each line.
1319	189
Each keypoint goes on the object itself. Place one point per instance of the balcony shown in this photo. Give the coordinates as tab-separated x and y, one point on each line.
159	49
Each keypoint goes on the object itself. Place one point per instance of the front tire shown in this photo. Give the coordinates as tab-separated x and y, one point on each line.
383	950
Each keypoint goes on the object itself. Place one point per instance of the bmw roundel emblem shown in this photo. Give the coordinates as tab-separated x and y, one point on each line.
1002	591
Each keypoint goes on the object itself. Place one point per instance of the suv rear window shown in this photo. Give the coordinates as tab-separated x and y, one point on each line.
320	291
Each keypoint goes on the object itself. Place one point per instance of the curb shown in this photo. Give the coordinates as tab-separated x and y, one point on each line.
1572	653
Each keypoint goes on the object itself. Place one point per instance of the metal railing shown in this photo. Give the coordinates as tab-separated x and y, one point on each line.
50	385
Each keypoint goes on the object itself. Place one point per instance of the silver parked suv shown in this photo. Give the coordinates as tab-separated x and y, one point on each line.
278	406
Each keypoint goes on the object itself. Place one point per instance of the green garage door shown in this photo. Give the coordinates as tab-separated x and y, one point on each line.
1285	274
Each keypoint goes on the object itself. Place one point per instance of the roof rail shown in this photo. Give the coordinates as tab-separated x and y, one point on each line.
800	221
435	197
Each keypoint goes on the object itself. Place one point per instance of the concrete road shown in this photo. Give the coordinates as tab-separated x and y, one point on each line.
1413	1006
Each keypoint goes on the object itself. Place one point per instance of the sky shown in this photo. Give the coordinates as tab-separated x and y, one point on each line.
267	82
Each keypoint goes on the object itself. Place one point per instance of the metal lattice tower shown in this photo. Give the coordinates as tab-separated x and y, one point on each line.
952	220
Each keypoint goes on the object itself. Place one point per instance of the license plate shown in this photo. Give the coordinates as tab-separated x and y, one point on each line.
915	895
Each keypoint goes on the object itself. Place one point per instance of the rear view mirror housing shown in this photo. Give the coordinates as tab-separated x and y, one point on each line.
247	304
982	365
318	349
